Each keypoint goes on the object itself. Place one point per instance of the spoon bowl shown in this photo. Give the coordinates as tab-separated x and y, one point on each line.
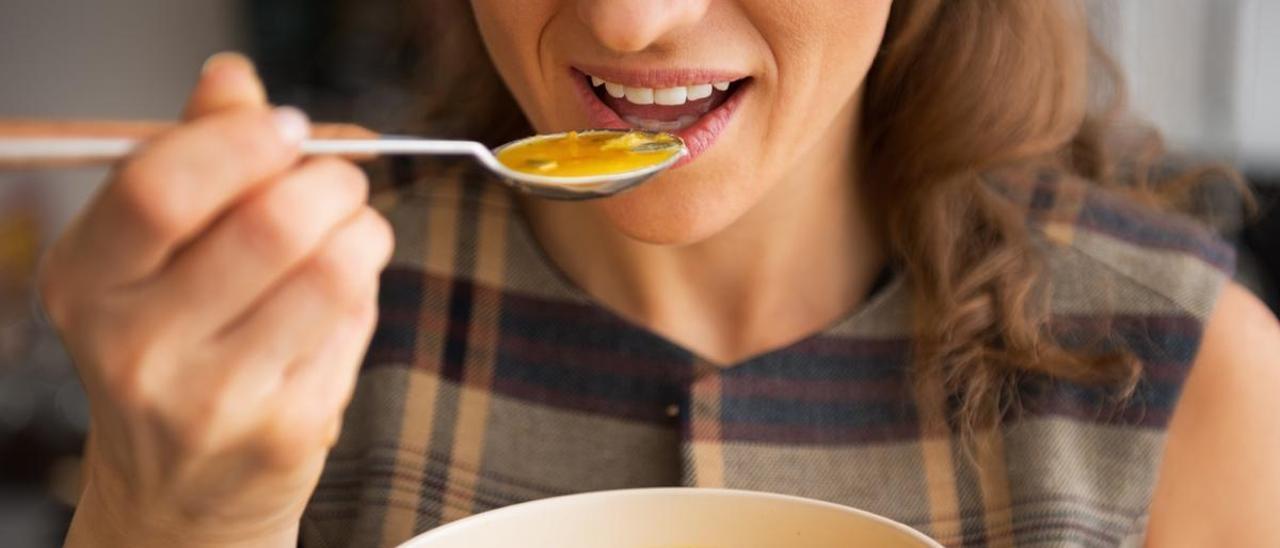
578	188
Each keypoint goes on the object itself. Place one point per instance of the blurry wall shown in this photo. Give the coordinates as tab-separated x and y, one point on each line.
1205	71
1258	106
93	58
72	58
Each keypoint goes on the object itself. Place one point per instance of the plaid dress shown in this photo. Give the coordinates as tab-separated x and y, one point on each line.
491	380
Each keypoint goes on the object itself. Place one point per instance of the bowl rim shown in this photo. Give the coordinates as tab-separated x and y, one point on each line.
476	520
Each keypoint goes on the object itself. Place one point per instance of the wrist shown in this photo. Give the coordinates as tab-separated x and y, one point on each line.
102	522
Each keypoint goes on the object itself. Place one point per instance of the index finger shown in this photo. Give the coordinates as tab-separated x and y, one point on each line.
168	192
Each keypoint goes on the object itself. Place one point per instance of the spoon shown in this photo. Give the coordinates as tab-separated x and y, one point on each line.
32	144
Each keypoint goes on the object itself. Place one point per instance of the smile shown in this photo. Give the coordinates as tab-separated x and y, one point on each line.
695	105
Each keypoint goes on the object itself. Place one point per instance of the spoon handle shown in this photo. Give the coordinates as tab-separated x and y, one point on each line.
34	144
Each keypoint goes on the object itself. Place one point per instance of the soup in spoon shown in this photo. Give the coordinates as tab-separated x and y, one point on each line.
590	153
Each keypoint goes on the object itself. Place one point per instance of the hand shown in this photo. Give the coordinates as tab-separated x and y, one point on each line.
217	297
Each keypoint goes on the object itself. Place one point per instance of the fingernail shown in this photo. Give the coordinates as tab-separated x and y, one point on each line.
224	57
292	123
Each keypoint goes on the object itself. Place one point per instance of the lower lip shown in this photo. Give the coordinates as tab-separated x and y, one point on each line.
697	138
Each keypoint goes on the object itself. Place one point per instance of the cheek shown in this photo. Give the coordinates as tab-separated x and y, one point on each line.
823	52
512	32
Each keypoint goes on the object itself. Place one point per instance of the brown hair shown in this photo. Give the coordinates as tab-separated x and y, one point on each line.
1026	74
1019	71
964	87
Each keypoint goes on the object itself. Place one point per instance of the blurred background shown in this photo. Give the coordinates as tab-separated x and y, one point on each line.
1206	72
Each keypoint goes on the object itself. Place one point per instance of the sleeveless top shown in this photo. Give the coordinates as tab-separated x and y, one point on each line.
491	380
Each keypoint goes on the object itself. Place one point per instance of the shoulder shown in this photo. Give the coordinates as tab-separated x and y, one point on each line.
1122	278
1159	284
1108	243
1142	277
1224	439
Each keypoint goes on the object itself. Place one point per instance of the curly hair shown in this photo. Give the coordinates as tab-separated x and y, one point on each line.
960	88
981	318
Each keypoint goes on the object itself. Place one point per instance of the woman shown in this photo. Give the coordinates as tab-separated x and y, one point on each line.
883	280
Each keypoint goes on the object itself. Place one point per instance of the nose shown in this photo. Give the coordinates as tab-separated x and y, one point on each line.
628	26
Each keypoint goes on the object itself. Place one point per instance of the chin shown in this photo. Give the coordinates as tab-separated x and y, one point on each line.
680	207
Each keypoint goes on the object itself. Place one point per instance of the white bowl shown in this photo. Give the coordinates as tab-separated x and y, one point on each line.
673	518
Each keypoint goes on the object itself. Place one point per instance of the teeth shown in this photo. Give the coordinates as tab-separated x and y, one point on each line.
660	125
673	96
700	91
640	96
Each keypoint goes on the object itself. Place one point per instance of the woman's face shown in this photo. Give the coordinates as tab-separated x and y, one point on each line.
794	71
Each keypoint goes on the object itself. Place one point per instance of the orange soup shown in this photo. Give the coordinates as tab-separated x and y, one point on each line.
591	153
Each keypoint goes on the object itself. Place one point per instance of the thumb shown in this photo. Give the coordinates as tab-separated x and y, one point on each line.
227	81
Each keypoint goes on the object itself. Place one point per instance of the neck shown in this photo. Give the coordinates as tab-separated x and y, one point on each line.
801	259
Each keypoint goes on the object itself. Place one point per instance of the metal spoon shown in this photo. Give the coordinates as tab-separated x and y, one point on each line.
45	144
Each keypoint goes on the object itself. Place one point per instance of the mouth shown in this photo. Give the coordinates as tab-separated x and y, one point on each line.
697	106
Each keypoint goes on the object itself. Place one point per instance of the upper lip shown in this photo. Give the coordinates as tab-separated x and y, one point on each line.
660	77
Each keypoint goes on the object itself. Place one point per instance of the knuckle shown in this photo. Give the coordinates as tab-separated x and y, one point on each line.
337	276
274	223
284	454
250	134
350	180
125	380
385	234
148	192
347	266
267	226
379	237
126	353
197	433
291	438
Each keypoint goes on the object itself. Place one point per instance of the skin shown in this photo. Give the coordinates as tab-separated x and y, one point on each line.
761	240
212	418
199	427
1219	484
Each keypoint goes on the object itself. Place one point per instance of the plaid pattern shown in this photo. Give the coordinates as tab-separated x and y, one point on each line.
491	380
